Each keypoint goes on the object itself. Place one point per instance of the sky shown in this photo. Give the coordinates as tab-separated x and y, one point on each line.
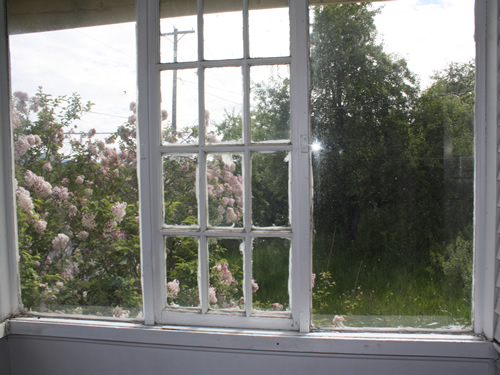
99	63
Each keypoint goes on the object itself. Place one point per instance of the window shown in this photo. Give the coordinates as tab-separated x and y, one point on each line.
225	178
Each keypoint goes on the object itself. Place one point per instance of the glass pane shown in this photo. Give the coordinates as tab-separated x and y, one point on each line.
270	103
270	271
178	30
226	274
179	101
181	255
225	190
269	32
77	201
223	31
223	105
270	183
180	174
393	164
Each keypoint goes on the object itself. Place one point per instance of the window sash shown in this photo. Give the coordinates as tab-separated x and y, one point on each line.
151	151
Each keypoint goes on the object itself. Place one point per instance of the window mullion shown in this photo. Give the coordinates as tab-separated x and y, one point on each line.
300	180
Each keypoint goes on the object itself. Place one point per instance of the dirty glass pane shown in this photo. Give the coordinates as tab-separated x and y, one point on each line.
180	173
223	31
393	164
74	131
226	274
181	255
178	31
270	185
179	106
270	103
270	274
269	32
223	105
225	190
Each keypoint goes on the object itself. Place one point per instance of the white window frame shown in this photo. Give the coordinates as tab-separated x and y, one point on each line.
486	236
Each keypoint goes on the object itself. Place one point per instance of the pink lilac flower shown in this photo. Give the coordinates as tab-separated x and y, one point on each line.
88	220
47	167
173	288
231	216
40	226
338	321
313	279
61	193
60	242
48	260
88	192
118	211
24	201
212	297
255	286
277	307
72	210
41	187
65	181
21	146
80	179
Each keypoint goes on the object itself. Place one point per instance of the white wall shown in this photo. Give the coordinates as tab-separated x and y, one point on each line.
46	355
4	357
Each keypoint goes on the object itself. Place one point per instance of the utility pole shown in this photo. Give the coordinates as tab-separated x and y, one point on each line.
175	33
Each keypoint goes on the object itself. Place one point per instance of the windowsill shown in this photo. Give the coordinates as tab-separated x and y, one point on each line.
345	343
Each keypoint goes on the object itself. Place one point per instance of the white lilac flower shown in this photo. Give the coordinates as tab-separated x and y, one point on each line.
83	235
173	288
24	201
60	242
88	220
40	226
60	193
118	211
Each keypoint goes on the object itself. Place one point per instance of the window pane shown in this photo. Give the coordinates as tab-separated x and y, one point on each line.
179	100
270	182
393	164
75	166
178	30
226	274
181	255
180	174
225	190
223	32
223	104
269	32
270	271
270	103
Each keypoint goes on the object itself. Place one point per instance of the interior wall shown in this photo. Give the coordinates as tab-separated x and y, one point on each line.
4	357
52	355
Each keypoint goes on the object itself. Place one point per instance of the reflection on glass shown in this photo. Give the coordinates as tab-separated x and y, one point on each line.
226	274
180	173
179	96
270	272
393	180
223	104
225	190
269	32
178	31
77	201
181	255
222	31
270	183
270	103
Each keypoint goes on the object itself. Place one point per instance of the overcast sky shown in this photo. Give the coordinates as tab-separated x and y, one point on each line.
99	62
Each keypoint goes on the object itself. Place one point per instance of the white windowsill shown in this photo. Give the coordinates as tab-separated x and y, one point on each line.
466	346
